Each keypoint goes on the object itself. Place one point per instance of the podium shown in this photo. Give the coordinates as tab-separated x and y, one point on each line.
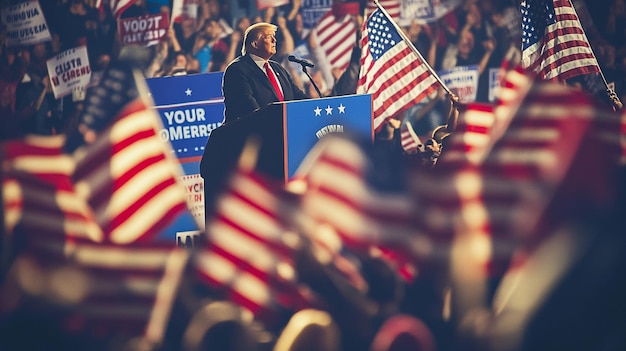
286	131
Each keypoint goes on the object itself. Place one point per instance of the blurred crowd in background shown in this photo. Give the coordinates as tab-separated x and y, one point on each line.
478	32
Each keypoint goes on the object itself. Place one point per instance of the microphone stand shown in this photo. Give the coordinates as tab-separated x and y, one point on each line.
311	79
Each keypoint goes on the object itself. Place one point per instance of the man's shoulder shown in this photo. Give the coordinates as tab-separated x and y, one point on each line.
240	62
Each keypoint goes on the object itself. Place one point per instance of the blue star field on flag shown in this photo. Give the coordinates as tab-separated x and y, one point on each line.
382	35
536	16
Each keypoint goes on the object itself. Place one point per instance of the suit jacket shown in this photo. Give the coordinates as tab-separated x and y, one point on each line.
246	87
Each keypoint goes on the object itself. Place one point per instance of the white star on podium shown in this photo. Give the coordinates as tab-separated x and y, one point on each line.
188	92
342	108
329	110
318	111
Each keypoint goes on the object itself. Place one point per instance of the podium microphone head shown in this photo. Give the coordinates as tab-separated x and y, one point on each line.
303	62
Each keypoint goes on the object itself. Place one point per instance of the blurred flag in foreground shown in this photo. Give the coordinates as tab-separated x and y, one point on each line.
390	70
554	44
409	140
91	288
468	142
364	202
85	221
249	256
127	174
481	125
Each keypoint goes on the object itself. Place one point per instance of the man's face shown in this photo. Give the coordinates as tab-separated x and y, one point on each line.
265	45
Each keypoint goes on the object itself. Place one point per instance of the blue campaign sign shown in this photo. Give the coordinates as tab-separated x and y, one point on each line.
306	121
190	107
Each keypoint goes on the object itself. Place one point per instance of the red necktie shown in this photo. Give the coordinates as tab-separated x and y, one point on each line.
272	77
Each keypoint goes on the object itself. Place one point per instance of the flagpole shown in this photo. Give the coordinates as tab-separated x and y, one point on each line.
410	44
610	92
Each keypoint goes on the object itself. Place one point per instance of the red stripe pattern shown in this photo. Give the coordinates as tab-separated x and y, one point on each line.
470	140
38	192
409	140
128	179
553	41
250	252
390	70
99	288
337	37
341	198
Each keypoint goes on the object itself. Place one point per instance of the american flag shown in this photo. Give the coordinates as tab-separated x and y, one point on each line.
554	43
515	84
336	36
38	192
481	125
409	140
127	175
486	212
364	203
390	70
533	156
115	290
468	142
250	253
537	177
556	135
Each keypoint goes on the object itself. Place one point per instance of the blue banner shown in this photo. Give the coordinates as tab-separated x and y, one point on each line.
190	106
306	121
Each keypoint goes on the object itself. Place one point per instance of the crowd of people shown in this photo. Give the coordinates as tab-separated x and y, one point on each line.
478	32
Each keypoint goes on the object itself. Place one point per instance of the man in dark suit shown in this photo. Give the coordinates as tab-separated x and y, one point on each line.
247	87
247	84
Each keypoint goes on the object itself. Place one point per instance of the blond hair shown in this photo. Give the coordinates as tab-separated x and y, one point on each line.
253	32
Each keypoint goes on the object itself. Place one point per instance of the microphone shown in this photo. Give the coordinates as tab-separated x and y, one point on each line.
303	62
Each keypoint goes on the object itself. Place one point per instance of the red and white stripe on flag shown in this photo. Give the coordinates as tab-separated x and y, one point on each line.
128	178
469	141
481	125
409	140
38	192
115	289
339	196
395	75
516	82
554	42
556	136
250	251
336	36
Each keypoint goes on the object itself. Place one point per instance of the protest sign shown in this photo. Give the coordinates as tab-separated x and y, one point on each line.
462	81
25	24
143	30
69	70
